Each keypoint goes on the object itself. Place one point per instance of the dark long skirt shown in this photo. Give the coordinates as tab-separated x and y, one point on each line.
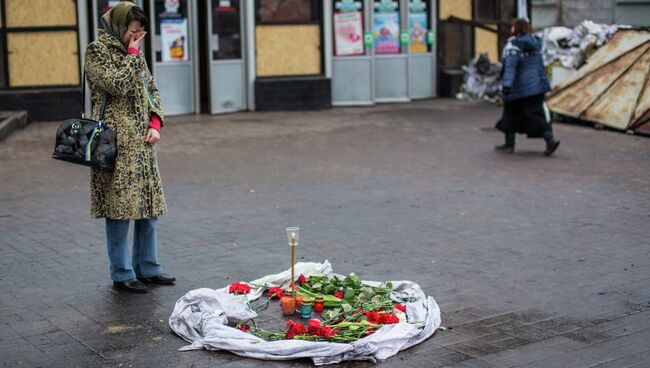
526	116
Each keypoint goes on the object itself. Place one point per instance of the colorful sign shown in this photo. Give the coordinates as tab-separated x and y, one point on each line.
173	36
348	5
386	32
348	33
386	6
418	31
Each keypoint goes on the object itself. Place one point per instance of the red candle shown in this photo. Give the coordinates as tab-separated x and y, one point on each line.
313	327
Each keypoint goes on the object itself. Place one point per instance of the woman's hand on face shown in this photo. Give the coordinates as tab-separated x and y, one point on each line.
136	40
153	136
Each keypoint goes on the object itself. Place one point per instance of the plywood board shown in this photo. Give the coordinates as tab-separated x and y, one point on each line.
35	13
458	8
288	50
43	58
486	42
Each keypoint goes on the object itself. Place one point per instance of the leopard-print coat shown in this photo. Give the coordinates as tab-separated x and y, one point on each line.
133	190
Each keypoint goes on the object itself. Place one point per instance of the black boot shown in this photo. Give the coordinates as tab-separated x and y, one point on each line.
551	146
505	148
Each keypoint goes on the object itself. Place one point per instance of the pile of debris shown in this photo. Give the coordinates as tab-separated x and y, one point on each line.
566	49
482	81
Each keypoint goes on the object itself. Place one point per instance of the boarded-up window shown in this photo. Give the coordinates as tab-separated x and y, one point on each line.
41	13
285	50
43	58
41	43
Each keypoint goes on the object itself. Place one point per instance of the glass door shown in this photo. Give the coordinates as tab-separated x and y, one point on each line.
421	45
173	54
226	56
352	81
390	51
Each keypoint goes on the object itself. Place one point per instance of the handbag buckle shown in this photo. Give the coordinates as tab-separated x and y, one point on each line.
75	128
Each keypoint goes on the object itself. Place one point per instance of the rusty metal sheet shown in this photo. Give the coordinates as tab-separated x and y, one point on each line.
643	105
622	42
573	101
615	107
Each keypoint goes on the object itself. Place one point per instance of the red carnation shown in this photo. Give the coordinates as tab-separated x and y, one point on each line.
388	319
339	294
275	291
326	331
372	317
293	329
244	328
301	280
239	288
400	307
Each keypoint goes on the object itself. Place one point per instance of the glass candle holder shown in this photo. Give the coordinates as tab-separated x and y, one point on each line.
319	304
293	236
306	309
288	305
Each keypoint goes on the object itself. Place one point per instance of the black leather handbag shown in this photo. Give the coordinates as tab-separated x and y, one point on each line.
86	142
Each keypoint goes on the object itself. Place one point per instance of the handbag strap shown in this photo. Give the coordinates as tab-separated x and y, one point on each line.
83	97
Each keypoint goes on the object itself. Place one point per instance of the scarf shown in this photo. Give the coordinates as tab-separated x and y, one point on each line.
114	21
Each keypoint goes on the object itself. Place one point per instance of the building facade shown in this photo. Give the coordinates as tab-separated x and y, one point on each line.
569	13
219	56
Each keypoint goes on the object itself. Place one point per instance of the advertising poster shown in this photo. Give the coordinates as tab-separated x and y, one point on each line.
348	34
418	31
386	32
173	36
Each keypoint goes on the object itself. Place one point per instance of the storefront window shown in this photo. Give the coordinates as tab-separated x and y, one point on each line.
226	29
288	11
172	31
419	26
386	26
348	28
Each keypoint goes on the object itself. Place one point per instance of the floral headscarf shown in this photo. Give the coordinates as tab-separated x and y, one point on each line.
114	21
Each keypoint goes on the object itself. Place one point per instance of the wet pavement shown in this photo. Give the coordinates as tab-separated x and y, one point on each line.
535	261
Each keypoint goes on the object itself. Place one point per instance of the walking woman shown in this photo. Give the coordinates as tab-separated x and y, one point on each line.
132	191
524	84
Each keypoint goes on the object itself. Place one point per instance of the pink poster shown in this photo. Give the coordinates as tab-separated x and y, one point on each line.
348	34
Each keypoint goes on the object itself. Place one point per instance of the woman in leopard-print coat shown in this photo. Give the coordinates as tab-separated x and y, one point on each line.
133	190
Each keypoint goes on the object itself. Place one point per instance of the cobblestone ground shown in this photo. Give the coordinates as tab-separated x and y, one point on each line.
535	261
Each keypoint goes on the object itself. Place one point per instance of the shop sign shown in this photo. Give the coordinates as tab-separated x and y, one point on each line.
173	36
348	33
417	6
347	5
418	31
368	39
386	33
386	6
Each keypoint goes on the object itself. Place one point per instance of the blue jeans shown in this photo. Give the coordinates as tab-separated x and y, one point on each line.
144	261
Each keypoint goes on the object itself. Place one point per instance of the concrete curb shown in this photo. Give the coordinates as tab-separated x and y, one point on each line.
11	121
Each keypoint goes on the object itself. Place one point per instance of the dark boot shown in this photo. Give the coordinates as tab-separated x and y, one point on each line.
551	142
509	146
551	146
505	148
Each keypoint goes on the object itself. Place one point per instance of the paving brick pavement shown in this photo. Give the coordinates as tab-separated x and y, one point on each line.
535	261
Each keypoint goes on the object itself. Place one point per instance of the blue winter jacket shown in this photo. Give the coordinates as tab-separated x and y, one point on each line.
523	68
